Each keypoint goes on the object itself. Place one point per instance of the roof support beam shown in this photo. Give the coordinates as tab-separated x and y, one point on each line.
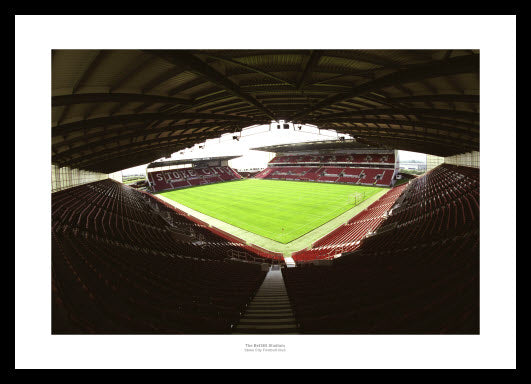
417	129
460	64
308	68
110	153
449	113
91	67
198	66
146	118
183	87
252	69
152	144
194	137
310	89
140	133
391	134
64	112
366	57
416	144
225	102
139	129
413	123
81	98
126	160
133	70
162	78
447	98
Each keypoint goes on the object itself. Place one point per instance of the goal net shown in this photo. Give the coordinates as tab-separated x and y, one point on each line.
356	198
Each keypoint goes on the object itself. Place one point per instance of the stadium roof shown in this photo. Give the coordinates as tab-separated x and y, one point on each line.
335	145
115	109
168	163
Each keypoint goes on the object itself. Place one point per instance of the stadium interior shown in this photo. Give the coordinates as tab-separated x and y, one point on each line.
126	259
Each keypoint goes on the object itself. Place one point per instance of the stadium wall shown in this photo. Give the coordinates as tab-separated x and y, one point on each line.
469	159
433	161
66	177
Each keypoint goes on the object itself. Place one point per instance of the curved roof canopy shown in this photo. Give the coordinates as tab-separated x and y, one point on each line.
319	146
114	109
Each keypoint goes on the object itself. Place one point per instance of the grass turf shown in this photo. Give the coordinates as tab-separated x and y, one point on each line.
279	210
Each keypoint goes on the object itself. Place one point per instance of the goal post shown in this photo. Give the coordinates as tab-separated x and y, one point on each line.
355	198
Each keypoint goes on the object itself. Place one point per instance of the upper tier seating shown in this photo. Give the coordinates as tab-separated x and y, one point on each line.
118	261
186	177
336	158
419	272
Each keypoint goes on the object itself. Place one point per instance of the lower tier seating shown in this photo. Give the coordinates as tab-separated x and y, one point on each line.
363	176
418	273
347	237
123	262
102	287
427	288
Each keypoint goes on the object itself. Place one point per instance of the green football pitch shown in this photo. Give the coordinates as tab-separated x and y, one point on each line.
279	210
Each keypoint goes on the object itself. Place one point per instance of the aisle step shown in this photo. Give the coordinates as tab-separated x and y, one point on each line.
270	311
